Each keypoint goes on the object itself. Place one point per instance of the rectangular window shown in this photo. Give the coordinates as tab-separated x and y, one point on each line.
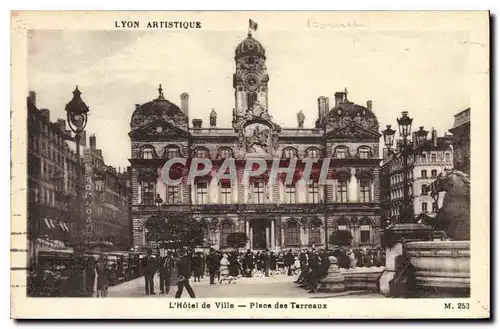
258	192
201	192
424	207
365	189
290	194
148	196
424	173
225	192
434	173
365	234
201	153
447	157
342	191
423	157
147	153
225	153
312	153
172	194
433	157
313	193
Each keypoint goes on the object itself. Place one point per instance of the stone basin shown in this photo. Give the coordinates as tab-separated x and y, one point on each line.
442	267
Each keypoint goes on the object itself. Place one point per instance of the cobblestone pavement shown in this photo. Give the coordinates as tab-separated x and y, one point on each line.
280	286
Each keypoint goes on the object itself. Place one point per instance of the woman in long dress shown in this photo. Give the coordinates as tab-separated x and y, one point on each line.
224	269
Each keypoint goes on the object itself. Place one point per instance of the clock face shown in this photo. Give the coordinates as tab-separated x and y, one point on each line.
252	82
159	129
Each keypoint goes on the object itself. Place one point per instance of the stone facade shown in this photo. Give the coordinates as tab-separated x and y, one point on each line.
277	215
461	141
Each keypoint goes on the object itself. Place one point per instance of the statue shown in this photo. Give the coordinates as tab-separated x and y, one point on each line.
300	118
454	215
213	118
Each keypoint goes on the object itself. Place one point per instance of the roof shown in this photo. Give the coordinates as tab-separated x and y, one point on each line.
250	47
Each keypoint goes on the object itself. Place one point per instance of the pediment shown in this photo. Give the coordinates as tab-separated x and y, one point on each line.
159	128
353	130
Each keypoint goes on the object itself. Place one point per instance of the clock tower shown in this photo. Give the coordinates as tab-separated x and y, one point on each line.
250	79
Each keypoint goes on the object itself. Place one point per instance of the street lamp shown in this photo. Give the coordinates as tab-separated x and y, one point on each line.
76	111
405	150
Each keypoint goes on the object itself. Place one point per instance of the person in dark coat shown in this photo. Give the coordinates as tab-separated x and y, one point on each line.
234	265
249	263
289	259
184	270
272	261
212	265
167	264
150	268
197	270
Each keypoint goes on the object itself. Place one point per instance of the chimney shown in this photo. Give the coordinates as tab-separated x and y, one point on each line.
32	97
92	142
321	108
61	123
327	106
185	103
45	113
197	124
83	138
414	139
339	98
369	105
434	136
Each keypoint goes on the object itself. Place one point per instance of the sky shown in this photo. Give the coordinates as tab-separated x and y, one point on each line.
425	73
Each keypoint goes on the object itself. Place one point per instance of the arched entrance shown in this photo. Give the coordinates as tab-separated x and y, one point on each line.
261	234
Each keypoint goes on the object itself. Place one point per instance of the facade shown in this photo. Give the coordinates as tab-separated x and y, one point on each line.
273	215
51	180
461	141
422	169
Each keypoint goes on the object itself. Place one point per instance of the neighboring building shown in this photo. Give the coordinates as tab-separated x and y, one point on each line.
52	186
51	171
461	141
273	216
105	200
422	171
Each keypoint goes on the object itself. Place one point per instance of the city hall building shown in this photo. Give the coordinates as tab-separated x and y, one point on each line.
274	216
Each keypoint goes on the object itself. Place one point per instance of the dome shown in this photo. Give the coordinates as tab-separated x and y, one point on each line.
250	47
352	112
156	109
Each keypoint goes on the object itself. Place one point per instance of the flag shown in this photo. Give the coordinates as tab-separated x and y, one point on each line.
252	25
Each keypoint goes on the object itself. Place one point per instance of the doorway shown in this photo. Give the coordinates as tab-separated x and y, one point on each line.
259	235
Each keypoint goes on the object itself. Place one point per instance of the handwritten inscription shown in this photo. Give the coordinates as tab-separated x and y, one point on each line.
312	23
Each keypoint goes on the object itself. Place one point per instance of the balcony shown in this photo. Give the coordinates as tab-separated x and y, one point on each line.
259	208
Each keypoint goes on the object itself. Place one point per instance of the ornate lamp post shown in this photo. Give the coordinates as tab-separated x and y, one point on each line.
76	111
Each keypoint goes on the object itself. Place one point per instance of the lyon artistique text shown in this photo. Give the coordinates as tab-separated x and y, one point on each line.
158	24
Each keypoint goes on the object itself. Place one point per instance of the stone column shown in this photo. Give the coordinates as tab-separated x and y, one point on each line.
267	237
353	187
251	237
282	235
273	238
400	233
247	232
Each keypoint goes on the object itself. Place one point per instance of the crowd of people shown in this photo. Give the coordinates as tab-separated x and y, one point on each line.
228	267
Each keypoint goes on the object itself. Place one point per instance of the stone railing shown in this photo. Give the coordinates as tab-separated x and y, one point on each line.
442	268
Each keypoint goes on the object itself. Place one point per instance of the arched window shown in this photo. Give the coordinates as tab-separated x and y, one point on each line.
147	152
289	153
365	229
423	173
171	151
315	232
343	224
434	173
364	152
201	153
312	152
292	234
225	153
341	152
226	229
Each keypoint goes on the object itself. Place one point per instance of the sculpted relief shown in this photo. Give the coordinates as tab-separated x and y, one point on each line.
255	139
